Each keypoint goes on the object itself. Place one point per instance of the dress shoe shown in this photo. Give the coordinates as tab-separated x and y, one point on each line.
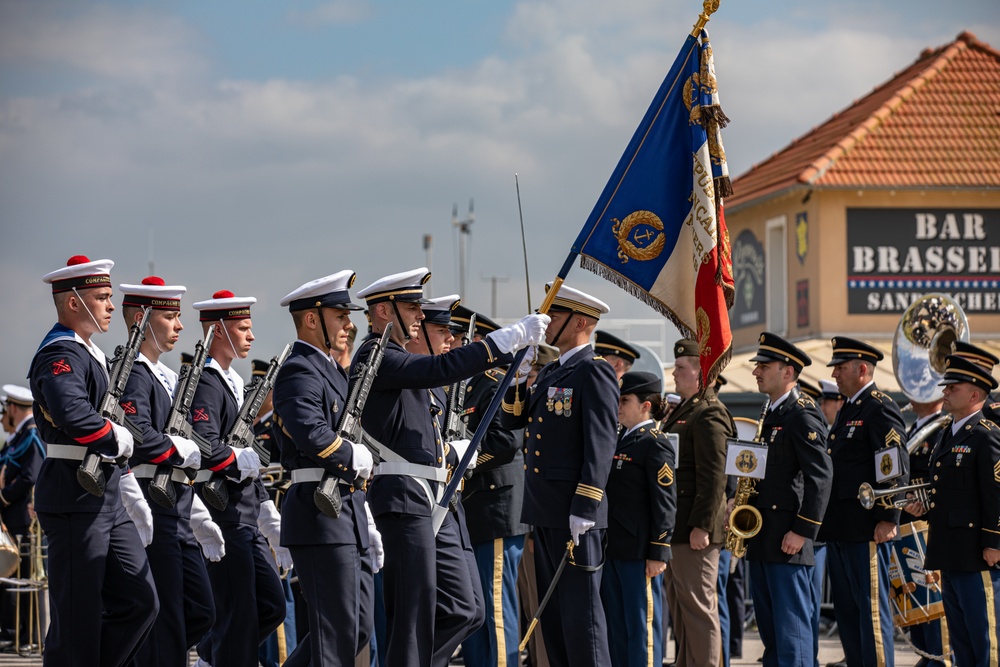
841	663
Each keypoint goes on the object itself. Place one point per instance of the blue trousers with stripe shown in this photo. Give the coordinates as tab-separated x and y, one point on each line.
633	606
783	603
859	572
494	644
970	605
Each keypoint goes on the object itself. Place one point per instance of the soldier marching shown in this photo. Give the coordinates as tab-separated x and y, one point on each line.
579	456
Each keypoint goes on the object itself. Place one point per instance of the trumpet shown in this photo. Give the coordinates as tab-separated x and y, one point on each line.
870	496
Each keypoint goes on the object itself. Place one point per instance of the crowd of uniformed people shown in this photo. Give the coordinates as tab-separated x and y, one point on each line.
593	503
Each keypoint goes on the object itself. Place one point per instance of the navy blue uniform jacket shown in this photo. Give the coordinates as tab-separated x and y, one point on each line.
642	497
68	383
398	413
570	422
495	494
796	488
964	513
147	405
213	413
310	394
863	427
22	458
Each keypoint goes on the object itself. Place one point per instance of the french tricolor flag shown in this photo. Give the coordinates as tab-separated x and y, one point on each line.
658	229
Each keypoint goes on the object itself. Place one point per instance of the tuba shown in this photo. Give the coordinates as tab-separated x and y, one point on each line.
925	335
745	519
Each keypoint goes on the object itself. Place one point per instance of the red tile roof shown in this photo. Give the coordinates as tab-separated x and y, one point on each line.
936	124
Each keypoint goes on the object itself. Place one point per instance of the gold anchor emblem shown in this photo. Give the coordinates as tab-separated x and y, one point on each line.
644	244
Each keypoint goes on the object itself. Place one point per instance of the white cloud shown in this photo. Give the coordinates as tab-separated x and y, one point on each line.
259	185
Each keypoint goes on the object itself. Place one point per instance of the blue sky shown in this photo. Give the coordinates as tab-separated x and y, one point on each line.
263	144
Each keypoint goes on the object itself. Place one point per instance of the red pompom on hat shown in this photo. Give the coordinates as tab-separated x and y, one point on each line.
223	294
77	259
153	280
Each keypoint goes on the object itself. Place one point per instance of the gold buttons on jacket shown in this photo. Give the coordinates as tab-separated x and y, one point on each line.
537	453
536	470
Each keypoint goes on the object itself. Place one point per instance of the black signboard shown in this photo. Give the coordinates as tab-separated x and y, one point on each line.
895	255
748	274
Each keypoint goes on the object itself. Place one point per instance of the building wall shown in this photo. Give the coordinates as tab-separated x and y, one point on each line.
818	259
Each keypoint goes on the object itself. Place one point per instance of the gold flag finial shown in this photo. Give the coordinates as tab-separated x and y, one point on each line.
708	8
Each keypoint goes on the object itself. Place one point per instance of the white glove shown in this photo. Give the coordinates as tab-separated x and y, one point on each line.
125	441
188	451
529	330
375	540
361	460
282	556
136	507
248	463
269	522
460	447
206	531
578	527
527	364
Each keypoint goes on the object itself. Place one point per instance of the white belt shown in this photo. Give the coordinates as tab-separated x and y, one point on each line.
203	476
147	470
67	452
408	469
422	475
303	475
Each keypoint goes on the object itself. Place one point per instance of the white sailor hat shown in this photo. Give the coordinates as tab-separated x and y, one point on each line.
152	293
80	273
224	305
327	292
438	311
829	389
673	399
405	286
573	300
14	393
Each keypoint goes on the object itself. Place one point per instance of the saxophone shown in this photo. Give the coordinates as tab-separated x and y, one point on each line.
745	520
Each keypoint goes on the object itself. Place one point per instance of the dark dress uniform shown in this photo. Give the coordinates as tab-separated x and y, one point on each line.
927	637
187	610
866	424
102	595
963	519
642	503
21	459
330	553
570	426
702	424
426	619
792	497
492	500
249	601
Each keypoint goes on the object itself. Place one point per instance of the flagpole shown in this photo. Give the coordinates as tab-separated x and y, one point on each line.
708	8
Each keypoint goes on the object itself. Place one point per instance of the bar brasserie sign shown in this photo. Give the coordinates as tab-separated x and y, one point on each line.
895	255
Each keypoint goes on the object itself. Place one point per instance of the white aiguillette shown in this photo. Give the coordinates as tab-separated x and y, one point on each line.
745	458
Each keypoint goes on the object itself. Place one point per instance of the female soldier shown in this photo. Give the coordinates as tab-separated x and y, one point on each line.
641	507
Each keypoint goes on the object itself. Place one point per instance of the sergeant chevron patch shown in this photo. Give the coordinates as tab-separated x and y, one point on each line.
665	476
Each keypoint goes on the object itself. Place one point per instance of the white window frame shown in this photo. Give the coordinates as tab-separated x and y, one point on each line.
776	281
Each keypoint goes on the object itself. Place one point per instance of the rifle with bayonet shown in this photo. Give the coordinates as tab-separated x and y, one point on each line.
161	488
215	491
327	494
90	475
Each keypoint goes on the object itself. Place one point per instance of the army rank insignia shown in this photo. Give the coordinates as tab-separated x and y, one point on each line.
560	401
